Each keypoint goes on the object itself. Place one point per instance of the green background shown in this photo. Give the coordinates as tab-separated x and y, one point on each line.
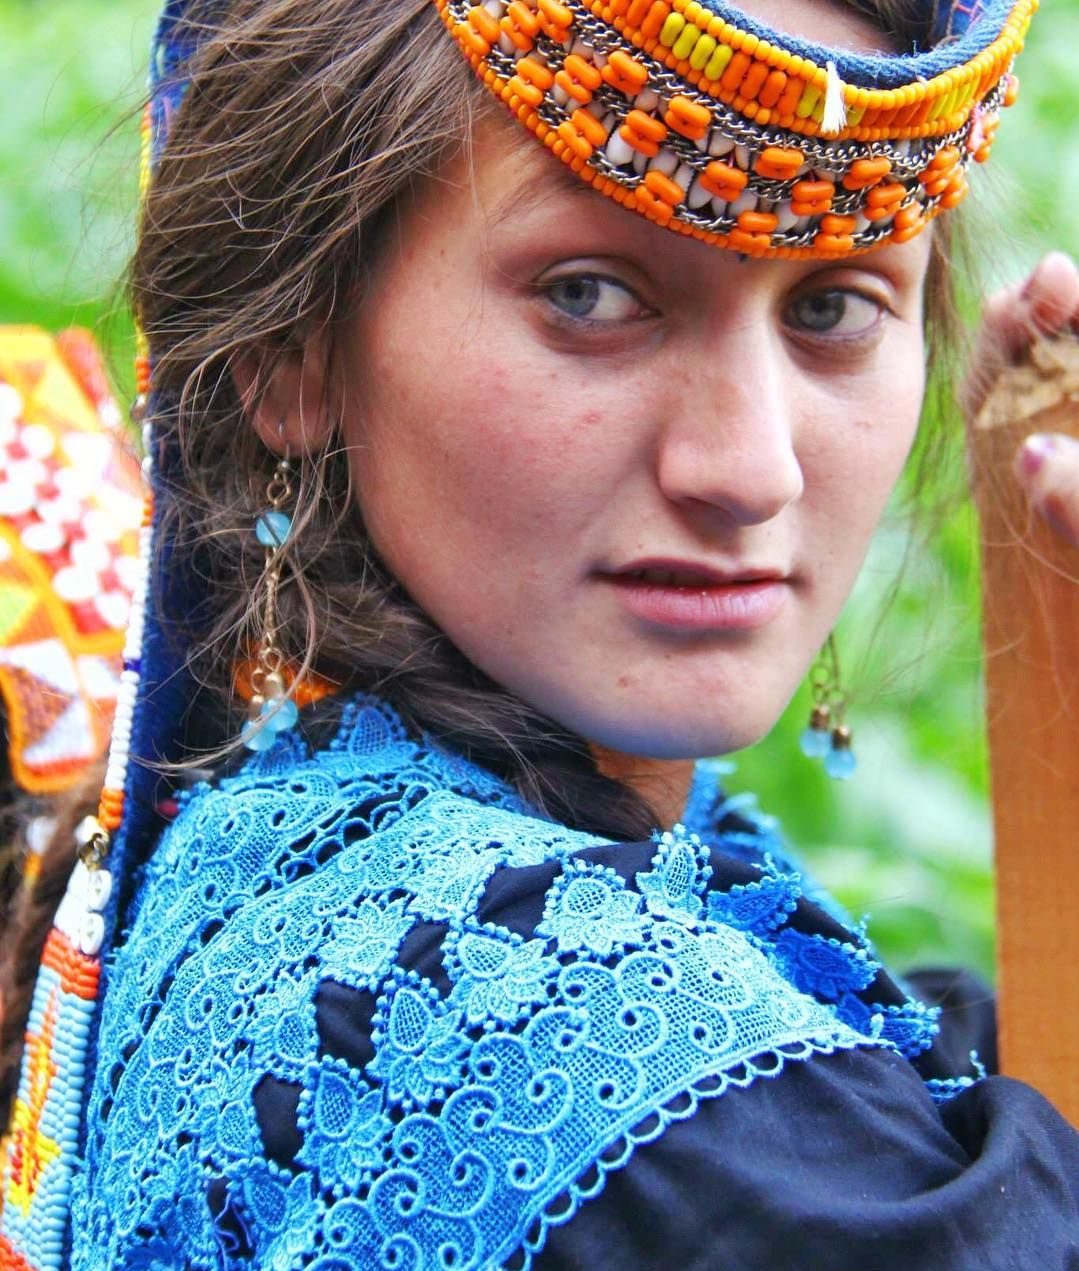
907	841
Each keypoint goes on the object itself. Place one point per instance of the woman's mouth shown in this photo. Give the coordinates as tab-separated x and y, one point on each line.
697	598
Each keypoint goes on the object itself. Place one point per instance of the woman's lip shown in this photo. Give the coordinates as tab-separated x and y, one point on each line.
712	605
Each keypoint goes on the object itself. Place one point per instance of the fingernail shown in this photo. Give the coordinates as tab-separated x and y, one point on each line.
1034	452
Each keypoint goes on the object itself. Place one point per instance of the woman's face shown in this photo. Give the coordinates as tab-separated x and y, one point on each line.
631	476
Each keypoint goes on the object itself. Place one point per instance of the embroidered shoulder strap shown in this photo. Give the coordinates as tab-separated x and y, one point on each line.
486	1108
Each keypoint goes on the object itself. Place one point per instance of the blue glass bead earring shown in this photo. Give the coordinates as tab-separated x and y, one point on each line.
271	710
828	736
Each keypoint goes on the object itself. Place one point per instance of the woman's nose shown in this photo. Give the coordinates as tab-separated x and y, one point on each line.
730	445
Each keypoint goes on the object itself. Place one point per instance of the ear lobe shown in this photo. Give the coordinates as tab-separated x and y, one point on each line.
283	397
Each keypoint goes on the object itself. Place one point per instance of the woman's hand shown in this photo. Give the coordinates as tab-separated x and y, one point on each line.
1046	304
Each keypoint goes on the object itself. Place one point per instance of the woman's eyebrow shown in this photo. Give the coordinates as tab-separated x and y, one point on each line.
534	190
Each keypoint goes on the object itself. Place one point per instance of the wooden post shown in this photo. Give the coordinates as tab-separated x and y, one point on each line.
1031	633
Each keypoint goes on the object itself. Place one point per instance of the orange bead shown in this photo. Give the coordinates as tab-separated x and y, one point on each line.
839	244
624	73
866	172
573	140
643	132
723	181
957	190
637	11
790	97
758	222
837	224
944	160
655	18
1011	89
471	40
589	126
908	217
520	24
749	244
533	72
578	79
555	19
668	191
483	23
886	195
688	117
779	163
735	72
773	89
530	94
811	198
754	80
656	209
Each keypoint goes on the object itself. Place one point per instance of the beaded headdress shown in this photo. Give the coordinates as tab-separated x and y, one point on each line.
695	116
714	125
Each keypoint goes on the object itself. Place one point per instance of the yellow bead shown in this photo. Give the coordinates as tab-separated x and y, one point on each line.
810	98
683	46
671	29
702	51
717	63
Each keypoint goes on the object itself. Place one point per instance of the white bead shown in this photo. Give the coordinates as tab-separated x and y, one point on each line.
91	554
15	500
114	607
75	585
697	196
60	511
746	202
92	934
42	538
786	218
10	402
719	145
666	162
38	440
99	889
618	150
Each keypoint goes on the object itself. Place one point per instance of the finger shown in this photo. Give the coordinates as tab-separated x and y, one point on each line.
1046	304
1050	295
1047	467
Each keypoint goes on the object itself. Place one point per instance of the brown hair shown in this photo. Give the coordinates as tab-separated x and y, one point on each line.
304	127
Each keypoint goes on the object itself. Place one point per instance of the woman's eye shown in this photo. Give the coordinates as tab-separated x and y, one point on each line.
834	313
588	298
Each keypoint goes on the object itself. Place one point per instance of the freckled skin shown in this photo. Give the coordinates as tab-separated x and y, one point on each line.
507	459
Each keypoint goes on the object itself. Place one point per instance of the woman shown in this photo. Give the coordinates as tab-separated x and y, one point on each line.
528	501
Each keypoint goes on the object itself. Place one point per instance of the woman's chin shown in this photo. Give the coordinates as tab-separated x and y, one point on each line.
664	735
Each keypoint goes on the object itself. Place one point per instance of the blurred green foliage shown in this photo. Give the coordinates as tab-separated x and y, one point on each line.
908	840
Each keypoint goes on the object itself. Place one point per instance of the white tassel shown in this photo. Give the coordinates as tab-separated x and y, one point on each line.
835	108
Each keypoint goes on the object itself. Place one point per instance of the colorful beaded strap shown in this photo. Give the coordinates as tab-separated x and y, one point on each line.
41	1150
709	128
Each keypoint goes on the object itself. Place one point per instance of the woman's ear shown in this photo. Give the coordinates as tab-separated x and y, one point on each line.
283	396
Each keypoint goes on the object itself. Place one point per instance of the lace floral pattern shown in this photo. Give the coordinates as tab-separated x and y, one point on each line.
486	1099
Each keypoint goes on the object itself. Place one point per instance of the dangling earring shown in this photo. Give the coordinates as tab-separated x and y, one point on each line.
270	711
828	736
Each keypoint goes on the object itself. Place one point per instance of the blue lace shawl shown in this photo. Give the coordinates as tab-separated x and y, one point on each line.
488	1110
